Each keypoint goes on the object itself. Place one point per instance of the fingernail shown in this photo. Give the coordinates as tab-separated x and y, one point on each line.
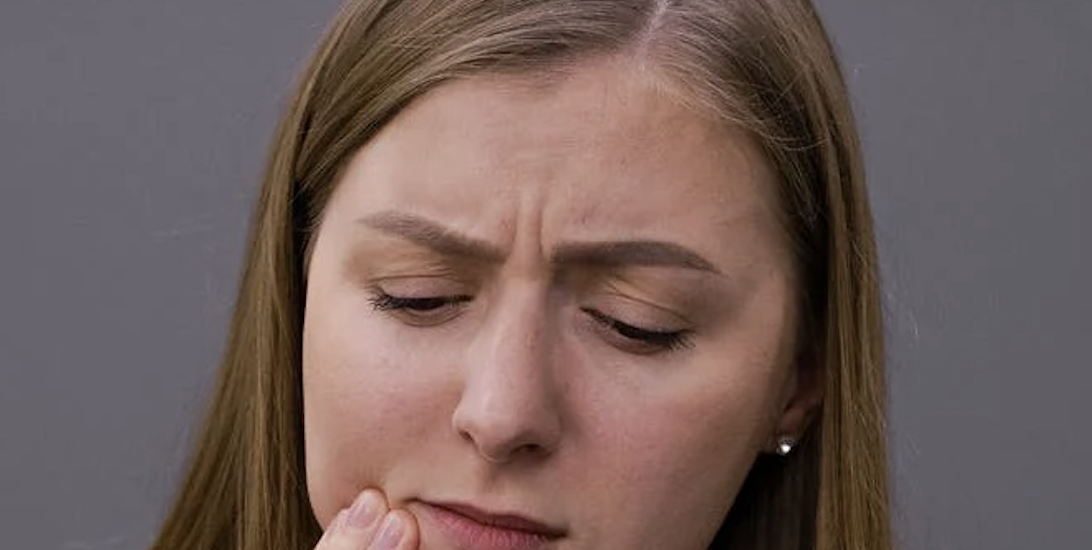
390	533
365	510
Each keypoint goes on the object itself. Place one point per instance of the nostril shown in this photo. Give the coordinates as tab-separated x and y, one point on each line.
501	447
465	434
524	452
530	449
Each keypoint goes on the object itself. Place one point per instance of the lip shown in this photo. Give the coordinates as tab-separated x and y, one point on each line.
471	528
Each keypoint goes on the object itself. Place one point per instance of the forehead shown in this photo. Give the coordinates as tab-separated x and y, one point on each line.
597	150
605	105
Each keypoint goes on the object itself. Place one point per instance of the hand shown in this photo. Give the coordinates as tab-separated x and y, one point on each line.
369	524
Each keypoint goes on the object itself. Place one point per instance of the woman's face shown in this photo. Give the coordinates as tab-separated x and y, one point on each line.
569	303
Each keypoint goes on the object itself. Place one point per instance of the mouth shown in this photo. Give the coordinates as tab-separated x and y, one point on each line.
470	528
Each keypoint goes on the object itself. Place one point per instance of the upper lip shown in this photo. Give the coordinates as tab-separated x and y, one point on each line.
503	520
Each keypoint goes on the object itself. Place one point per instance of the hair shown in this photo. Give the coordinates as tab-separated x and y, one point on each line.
766	66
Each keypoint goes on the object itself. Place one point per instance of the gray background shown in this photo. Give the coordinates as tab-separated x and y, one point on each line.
132	135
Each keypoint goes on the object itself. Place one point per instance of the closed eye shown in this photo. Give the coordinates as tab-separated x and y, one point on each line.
637	339
419	310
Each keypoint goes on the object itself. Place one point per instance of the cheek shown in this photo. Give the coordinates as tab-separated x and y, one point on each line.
363	412
672	454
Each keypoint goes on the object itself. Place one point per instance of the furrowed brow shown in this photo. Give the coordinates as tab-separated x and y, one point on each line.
616	254
432	235
632	253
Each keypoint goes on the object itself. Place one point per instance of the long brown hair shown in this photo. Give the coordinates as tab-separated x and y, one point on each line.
766	66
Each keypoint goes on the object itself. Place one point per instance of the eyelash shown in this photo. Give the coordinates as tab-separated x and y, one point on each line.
659	340
382	301
433	306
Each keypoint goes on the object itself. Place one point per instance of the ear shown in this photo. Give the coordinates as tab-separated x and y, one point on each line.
803	393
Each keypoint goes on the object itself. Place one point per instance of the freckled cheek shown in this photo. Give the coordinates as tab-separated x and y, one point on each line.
368	404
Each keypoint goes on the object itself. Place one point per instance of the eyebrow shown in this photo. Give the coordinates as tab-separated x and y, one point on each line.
631	253
431	235
447	242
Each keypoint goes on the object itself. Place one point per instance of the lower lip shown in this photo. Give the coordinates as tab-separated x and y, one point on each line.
467	534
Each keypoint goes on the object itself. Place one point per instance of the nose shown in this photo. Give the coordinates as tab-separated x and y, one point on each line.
509	406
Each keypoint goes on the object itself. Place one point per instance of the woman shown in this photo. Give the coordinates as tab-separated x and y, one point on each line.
573	274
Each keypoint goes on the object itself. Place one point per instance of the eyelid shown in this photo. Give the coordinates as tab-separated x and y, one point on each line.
387	302
638	325
382	258
423	286
637	339
668	301
434	310
637	310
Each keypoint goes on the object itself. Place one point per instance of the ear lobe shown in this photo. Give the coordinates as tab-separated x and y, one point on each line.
806	392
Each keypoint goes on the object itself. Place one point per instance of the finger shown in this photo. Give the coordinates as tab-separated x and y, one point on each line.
355	527
398	532
326	542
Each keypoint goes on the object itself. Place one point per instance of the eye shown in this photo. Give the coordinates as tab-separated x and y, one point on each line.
419	310
640	340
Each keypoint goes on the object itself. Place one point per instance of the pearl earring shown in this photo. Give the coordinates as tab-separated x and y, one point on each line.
785	445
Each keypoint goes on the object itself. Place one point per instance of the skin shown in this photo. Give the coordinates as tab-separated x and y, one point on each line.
519	392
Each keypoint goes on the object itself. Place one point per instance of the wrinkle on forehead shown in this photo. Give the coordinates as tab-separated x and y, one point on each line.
600	150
